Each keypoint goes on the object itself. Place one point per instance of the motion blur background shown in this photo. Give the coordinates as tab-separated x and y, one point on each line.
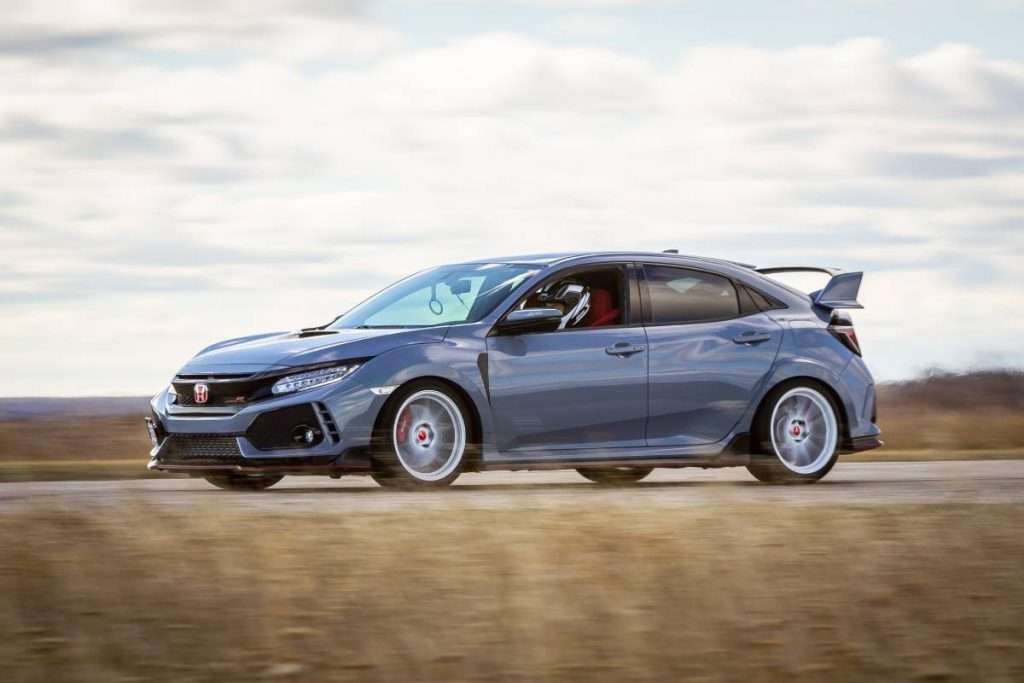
177	172
180	172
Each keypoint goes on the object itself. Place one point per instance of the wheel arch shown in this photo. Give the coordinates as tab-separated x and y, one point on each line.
475	424
783	385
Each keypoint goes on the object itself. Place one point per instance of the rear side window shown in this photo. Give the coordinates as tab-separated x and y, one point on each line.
762	301
678	295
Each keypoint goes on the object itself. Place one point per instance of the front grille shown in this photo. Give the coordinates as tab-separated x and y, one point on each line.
224	390
201	449
217	450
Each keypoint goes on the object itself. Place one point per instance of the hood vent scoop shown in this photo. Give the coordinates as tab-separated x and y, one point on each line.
314	332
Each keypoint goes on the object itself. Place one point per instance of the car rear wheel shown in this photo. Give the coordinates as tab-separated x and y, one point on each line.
615	476
799	431
243	482
425	438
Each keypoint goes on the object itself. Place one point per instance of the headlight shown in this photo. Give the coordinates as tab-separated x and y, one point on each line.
312	379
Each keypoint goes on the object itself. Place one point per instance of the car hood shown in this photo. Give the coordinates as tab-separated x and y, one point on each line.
291	349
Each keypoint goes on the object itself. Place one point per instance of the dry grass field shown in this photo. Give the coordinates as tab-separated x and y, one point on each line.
902	593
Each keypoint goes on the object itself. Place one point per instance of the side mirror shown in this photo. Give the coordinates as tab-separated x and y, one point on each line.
530	320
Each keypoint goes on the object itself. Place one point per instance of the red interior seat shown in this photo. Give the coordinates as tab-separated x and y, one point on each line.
601	312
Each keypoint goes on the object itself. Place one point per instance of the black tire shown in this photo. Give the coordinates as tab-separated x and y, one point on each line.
243	482
766	463
387	480
615	476
390	470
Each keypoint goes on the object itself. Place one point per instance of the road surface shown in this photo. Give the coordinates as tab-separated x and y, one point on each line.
997	481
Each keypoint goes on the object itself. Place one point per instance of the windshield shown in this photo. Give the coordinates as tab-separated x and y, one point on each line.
441	296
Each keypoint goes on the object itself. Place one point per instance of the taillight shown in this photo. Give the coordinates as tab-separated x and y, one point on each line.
841	328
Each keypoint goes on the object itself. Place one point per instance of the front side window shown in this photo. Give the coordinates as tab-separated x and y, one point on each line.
678	295
588	298
440	296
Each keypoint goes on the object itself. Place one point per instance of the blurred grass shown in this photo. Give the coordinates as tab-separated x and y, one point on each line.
936	417
751	593
978	411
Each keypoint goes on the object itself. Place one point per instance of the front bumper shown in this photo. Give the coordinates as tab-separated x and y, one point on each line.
260	437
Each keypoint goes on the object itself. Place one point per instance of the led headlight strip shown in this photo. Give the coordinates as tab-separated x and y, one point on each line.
312	379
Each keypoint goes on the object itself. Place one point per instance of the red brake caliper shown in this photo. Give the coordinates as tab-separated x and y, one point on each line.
403	426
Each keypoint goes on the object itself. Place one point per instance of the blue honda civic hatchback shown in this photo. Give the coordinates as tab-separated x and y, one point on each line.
608	363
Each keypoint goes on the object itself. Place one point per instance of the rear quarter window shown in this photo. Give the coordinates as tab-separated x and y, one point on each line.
679	295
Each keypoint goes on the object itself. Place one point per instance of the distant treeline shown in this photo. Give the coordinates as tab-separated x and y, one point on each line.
13	409
951	391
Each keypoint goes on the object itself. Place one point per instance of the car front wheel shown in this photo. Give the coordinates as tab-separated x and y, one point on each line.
800	434
425	438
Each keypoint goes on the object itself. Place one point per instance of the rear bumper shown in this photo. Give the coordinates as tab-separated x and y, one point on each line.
861	443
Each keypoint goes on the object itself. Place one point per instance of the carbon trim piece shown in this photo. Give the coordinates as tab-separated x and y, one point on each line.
861	443
351	461
484	368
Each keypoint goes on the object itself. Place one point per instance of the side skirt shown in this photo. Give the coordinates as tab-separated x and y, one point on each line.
735	454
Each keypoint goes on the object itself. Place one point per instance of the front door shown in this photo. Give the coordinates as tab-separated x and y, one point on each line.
582	386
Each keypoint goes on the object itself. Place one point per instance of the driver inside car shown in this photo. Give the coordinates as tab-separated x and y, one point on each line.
572	299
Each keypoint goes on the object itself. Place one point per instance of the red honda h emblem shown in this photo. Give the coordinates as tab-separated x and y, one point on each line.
201	392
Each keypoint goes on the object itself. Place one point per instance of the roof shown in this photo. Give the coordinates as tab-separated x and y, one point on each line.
553	258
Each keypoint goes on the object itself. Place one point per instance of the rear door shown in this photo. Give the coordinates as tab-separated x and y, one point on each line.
576	388
710	349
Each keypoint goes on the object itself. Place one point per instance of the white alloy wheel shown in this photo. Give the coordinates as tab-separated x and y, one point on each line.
429	435
804	430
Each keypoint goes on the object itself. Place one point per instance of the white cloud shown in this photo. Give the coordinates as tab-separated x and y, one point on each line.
157	199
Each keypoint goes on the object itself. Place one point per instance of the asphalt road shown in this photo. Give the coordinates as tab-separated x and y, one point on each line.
999	481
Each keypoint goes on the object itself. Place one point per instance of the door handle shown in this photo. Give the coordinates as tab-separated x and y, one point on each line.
624	349
752	337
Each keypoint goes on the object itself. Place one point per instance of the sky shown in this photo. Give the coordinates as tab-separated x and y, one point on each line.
177	172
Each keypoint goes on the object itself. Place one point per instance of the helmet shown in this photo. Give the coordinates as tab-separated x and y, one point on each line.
574	299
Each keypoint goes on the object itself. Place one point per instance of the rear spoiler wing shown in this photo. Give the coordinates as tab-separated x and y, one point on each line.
840	292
